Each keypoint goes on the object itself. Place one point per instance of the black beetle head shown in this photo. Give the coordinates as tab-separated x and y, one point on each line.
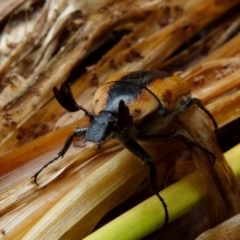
100	127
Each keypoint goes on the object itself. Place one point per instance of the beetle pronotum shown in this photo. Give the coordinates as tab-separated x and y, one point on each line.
131	107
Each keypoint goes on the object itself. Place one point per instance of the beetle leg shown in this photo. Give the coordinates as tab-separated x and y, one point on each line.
199	104
79	132
190	143
138	151
178	137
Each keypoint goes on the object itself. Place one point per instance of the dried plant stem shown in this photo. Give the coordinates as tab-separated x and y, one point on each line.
80	201
8	6
148	216
76	191
221	187
228	230
152	51
226	108
214	90
231	48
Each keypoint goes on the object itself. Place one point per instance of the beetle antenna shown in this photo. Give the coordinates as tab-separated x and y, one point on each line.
65	97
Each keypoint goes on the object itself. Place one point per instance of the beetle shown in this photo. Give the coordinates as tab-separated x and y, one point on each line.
132	107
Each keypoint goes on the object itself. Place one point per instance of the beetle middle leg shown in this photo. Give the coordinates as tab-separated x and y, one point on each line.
138	151
78	132
176	136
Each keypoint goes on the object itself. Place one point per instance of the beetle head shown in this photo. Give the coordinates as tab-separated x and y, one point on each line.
100	127
105	123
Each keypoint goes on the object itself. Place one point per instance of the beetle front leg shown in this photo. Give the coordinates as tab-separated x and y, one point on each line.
138	151
79	132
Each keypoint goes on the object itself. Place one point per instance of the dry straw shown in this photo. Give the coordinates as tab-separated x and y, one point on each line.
41	45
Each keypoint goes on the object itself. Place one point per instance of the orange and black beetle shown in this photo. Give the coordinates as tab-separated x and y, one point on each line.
131	107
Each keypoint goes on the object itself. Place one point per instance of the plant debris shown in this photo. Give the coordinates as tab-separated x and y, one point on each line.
42	43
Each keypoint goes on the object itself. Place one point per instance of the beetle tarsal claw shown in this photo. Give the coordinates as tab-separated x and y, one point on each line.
34	178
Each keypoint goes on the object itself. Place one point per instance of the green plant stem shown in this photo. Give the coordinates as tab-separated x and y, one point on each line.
181	198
